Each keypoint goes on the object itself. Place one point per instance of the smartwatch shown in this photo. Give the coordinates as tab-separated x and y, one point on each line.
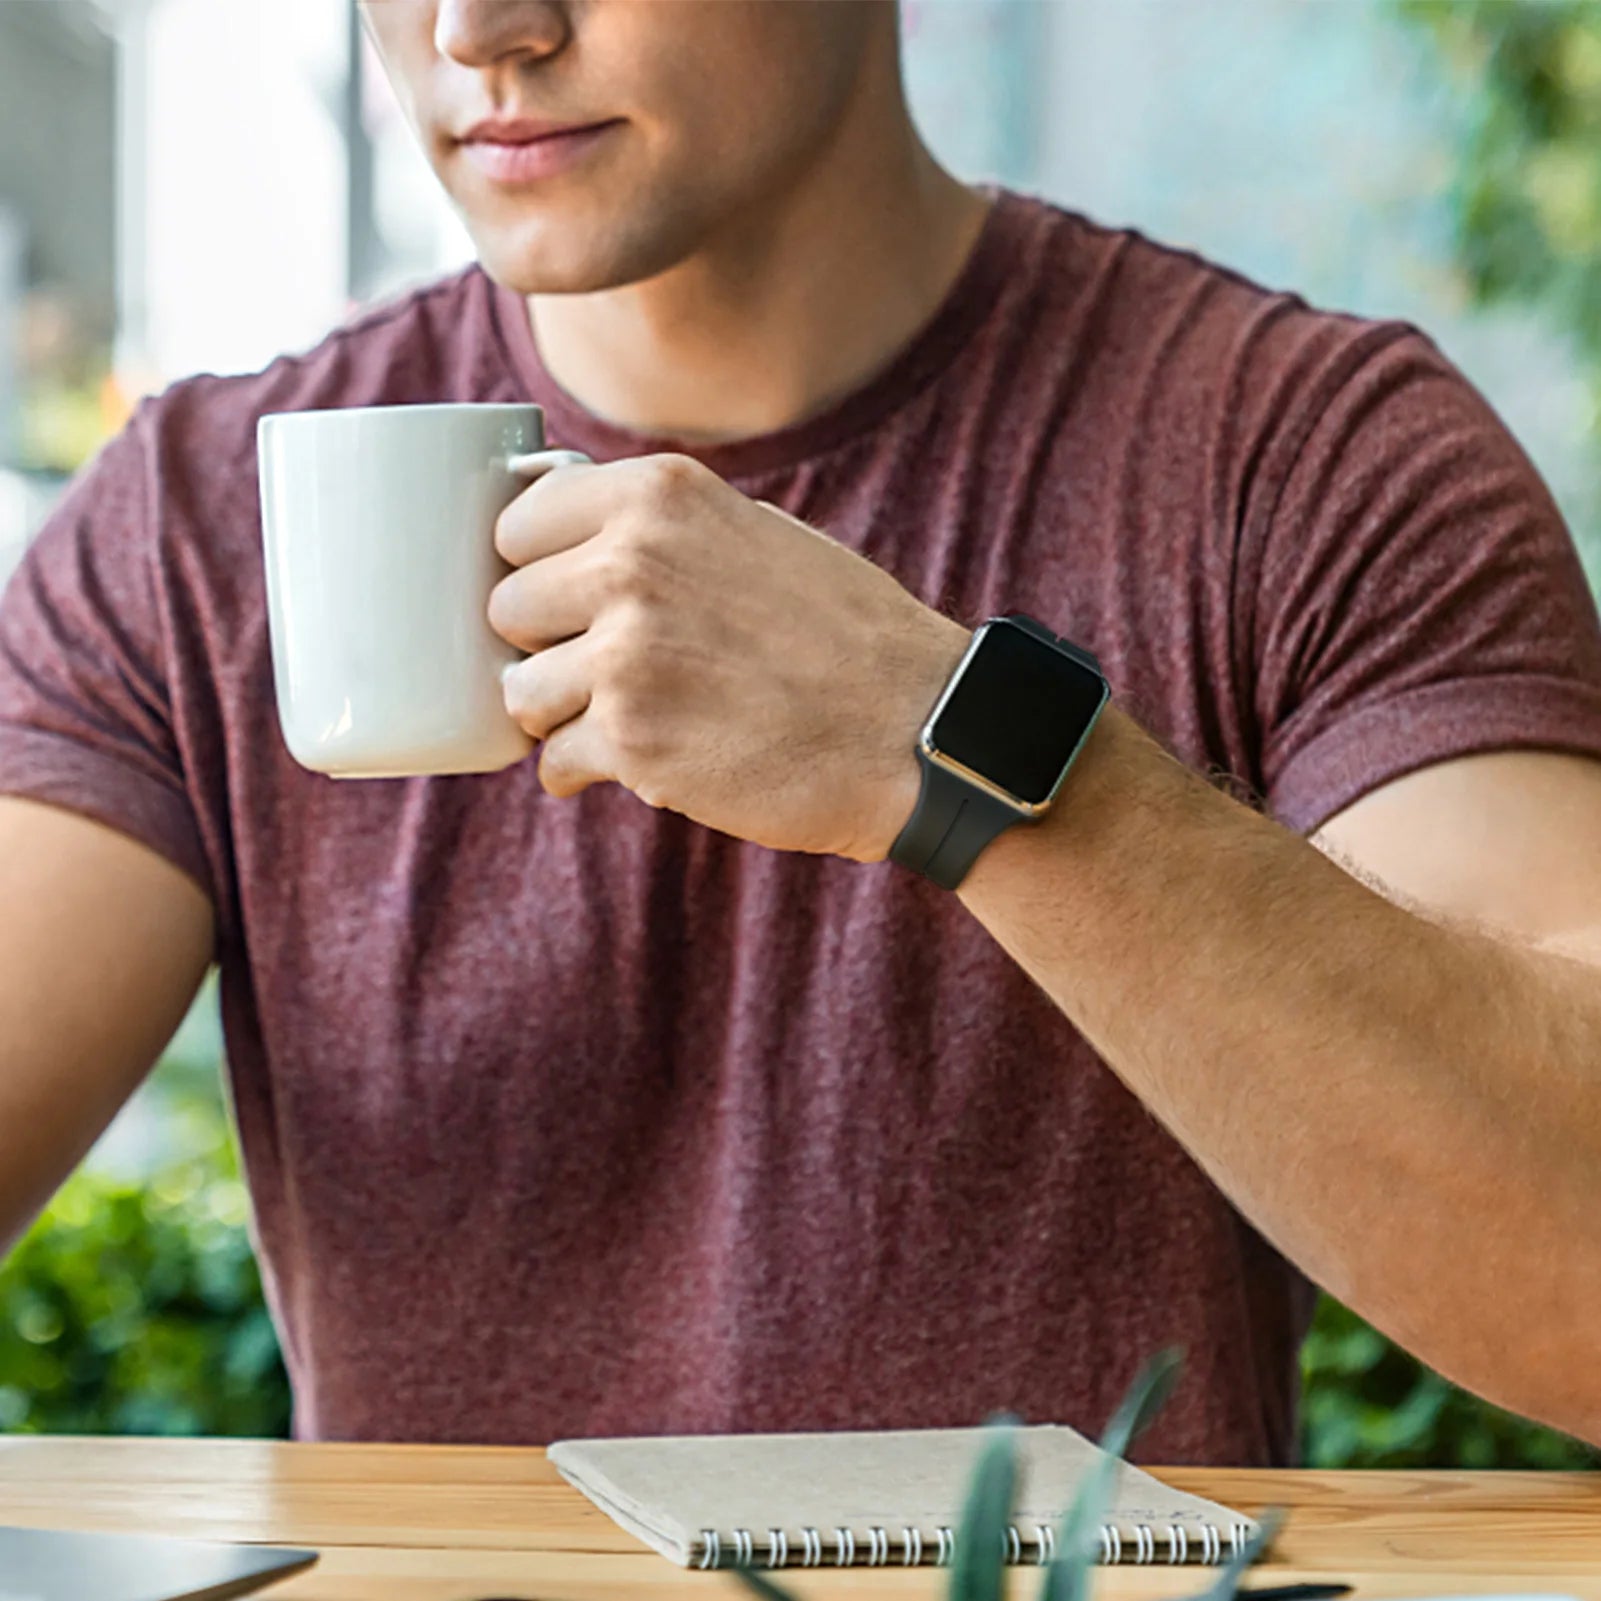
998	744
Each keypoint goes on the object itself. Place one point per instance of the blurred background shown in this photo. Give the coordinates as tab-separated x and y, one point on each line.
195	185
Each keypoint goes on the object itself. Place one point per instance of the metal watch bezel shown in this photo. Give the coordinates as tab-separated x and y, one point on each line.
925	736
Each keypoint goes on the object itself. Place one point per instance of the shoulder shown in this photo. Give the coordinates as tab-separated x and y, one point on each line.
1149	291
428	344
1149	325
196	440
1196	398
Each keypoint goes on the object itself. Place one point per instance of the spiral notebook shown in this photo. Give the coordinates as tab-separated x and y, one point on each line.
815	1500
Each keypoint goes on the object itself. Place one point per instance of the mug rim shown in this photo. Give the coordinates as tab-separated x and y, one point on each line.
422	408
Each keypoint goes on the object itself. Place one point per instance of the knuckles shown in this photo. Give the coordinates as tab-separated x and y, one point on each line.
669	482
624	563
622	651
633	733
627	701
626	686
634	556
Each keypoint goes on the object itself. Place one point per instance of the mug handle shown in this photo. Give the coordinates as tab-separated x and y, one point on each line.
536	463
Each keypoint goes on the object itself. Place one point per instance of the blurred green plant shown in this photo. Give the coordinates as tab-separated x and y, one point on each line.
1368	1404
135	1307
1526	195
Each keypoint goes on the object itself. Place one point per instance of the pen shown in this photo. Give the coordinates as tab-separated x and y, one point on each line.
1296	1592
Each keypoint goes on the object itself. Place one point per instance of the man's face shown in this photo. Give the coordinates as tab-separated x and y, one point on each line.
684	115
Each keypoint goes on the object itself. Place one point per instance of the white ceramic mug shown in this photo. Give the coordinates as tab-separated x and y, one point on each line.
378	532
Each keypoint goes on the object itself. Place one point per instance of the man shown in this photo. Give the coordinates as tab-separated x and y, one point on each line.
632	1089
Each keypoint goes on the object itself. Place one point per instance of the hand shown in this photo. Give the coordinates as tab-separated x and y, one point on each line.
715	656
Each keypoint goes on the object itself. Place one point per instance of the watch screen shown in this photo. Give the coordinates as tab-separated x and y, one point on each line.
1018	712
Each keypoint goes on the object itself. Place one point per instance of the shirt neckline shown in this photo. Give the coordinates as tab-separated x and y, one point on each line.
968	303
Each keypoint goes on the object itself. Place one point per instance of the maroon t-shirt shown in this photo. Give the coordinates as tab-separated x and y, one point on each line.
571	1117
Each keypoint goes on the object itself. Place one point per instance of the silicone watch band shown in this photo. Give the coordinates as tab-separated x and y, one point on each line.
951	824
954	820
1083	657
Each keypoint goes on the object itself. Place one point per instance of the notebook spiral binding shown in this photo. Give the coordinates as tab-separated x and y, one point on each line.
739	1547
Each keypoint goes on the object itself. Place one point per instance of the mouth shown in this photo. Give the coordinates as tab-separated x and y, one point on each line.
524	150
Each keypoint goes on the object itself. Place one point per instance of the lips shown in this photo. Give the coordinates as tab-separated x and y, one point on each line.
524	150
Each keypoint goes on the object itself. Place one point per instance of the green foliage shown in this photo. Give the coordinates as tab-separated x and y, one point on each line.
1068	1578
1526	196
135	1308
978	1568
1368	1404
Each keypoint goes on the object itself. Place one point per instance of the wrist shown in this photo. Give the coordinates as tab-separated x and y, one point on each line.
1005	732
911	673
1100	804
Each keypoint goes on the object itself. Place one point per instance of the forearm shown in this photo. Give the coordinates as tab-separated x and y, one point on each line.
1407	1110
102	947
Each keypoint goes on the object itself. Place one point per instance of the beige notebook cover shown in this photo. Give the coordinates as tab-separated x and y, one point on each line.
773	1500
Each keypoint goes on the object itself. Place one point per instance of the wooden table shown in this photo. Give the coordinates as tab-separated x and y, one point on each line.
421	1523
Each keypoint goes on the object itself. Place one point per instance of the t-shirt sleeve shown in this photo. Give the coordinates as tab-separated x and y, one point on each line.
1419	597
85	713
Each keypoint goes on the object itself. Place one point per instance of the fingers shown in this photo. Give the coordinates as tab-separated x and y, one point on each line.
571	503
573	758
553	599
549	695
565	571
549	689
560	509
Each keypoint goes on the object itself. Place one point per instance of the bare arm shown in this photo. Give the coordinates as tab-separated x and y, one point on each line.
1407	1103
1409	1107
103	944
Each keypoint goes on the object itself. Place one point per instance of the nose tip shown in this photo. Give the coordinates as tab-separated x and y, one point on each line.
482	33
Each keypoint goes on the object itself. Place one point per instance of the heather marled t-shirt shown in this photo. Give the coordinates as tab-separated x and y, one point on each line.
568	1116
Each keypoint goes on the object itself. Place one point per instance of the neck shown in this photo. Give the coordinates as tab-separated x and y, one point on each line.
785	310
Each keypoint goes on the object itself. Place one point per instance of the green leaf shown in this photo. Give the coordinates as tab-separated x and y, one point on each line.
760	1584
141	1298
1067	1578
978	1566
1227	1582
1146	1397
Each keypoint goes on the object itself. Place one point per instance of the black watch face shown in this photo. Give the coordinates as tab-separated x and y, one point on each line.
1018	712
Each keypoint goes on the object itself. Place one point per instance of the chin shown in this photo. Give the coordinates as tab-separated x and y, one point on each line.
584	250
541	268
